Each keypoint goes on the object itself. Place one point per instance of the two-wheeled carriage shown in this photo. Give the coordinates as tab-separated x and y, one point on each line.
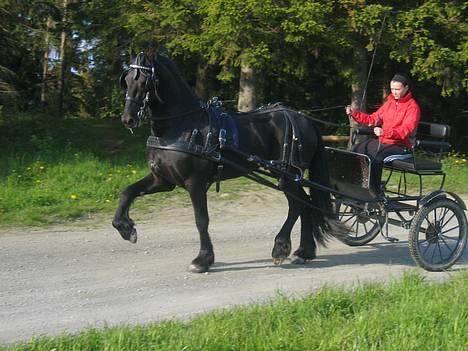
436	220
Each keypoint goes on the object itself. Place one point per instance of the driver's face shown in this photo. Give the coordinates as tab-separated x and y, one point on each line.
398	89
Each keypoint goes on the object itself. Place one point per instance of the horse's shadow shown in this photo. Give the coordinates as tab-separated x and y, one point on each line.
379	253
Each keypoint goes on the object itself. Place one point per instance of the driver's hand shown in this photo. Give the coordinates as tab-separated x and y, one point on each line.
378	131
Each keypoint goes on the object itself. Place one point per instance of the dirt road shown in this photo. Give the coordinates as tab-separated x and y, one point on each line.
71	277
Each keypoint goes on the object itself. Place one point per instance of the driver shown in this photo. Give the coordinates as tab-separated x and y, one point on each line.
394	123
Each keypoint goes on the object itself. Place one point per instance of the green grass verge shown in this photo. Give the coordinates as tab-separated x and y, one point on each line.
53	171
408	314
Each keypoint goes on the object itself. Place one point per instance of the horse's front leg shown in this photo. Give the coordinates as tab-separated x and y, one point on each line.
205	258
148	185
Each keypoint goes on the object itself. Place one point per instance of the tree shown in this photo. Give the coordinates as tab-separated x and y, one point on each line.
432	39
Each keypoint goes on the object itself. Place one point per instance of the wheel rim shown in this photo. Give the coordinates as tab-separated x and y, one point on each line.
440	236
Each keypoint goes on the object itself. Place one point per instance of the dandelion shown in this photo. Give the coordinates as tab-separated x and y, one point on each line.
133	171
73	197
41	167
38	181
107	200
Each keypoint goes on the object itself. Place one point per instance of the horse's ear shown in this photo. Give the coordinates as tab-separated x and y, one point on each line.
152	52
132	53
122	82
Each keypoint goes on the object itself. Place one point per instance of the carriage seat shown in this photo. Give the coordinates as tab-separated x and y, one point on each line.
429	147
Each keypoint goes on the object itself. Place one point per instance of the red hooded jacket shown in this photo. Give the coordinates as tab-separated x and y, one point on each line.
398	119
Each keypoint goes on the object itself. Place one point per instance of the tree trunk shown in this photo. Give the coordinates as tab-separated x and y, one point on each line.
63	59
386	81
45	65
358	98
247	99
203	86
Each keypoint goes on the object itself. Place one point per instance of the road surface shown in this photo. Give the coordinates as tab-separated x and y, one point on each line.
71	277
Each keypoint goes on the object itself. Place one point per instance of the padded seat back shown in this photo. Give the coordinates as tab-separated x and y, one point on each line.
429	144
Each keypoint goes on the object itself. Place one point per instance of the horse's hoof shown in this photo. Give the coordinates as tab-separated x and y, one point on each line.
277	261
133	236
195	268
280	251
126	230
298	260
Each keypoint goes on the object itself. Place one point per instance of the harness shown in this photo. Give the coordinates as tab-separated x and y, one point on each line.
225	126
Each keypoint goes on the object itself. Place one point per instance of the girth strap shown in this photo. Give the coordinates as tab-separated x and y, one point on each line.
183	146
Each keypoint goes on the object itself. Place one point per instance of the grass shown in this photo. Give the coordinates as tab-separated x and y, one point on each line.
407	314
53	171
58	170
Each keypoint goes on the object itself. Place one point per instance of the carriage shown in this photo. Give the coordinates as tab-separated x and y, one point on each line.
435	219
195	145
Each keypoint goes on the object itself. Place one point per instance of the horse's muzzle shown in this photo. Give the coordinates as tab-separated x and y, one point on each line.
129	121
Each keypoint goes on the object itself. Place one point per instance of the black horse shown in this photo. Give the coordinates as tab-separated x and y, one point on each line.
185	150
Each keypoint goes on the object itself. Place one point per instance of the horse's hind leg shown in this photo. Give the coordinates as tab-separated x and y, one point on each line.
282	247
307	247
205	257
148	185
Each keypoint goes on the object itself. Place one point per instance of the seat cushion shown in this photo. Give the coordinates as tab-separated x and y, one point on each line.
420	164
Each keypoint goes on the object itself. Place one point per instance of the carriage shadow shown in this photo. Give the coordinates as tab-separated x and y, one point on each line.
372	254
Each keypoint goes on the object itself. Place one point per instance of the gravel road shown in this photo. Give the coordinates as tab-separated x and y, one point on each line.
71	277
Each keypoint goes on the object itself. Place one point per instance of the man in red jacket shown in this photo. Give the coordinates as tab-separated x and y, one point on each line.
394	123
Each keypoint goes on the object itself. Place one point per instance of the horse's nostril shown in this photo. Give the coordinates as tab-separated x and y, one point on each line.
128	121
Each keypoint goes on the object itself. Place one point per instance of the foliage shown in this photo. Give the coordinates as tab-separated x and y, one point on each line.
433	40
407	314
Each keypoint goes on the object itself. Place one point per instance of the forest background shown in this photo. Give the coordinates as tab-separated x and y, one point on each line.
64	57
65	154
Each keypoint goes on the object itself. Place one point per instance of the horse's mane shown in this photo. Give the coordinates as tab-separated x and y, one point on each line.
167	66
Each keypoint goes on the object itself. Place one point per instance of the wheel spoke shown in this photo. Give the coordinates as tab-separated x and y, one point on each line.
446	210
357	228
433	254
448	247
427	248
350	218
443	214
435	215
440	251
444	223
449	230
429	224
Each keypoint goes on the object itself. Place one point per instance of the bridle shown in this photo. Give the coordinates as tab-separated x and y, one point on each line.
151	81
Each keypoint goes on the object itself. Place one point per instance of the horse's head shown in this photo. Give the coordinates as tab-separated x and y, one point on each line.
140	82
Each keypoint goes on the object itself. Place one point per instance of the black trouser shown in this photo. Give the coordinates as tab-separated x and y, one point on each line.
377	153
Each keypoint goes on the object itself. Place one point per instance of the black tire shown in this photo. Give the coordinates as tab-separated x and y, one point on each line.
438	234
362	228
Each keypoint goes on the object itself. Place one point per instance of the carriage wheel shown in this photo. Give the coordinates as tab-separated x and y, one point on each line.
362	228
438	234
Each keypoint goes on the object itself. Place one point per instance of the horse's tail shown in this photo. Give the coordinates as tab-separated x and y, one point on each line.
325	224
